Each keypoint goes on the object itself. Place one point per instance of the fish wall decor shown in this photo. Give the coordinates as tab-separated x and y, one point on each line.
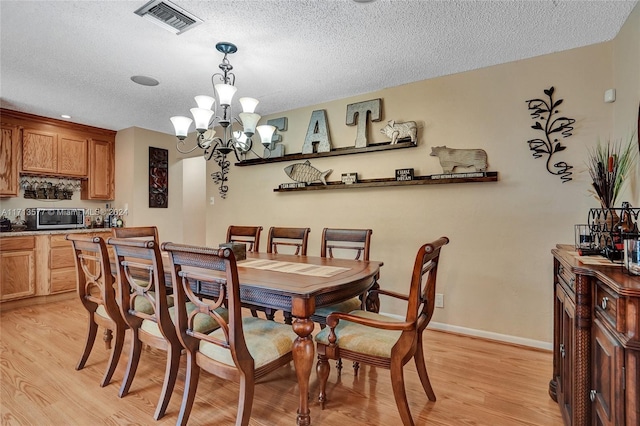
305	172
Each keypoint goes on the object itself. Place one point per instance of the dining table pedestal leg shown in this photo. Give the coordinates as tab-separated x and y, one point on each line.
303	351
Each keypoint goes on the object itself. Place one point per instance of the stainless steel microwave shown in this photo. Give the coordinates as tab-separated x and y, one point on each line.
41	218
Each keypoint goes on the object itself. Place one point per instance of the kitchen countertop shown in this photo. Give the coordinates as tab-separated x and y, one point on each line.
52	232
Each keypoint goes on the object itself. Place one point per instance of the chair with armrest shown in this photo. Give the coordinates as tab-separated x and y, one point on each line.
242	349
149	312
249	235
280	237
95	287
382	341
137	232
292	240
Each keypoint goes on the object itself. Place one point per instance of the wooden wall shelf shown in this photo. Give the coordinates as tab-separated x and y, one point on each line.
383	146
417	180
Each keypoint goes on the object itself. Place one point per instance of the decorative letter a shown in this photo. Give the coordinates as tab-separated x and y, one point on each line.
317	133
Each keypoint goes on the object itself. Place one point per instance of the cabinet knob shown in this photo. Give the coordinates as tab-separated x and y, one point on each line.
560	269
604	302
562	352
592	395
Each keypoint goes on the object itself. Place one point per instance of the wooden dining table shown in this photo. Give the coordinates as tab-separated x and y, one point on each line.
299	285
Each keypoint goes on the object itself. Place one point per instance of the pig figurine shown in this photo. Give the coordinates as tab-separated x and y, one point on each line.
451	158
397	131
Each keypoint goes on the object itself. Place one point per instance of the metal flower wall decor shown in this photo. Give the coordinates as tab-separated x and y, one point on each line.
554	128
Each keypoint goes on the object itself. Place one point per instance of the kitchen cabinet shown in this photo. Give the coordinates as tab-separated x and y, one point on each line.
53	153
56	148
72	155
101	182
596	352
38	266
62	268
9	155
17	267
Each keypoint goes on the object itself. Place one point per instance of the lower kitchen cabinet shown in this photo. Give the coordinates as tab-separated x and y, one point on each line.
38	265
17	268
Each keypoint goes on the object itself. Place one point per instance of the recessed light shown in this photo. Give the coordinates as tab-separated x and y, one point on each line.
144	80
65	116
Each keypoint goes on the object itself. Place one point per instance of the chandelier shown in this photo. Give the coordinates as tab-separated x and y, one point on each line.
206	118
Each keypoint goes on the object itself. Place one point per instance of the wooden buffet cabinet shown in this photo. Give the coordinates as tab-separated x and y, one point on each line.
596	348
40	146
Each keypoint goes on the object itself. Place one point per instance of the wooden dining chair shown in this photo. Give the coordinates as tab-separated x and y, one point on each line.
280	237
138	232
386	342
147	310
355	243
293	240
249	235
242	349
96	290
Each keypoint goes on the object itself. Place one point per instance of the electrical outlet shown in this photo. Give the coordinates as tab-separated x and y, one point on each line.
439	300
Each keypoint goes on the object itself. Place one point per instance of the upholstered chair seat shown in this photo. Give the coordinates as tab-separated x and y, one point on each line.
361	338
266	340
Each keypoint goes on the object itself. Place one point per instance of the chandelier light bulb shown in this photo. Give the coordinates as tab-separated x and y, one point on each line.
202	117
249	122
266	133
225	93
181	125
248	104
205	102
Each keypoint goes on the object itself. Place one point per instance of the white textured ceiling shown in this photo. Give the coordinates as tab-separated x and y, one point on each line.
77	57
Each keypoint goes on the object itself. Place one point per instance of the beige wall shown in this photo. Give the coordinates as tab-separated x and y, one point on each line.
132	182
496	273
626	81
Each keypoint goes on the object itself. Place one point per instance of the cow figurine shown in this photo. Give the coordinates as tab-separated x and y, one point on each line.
397	131
451	158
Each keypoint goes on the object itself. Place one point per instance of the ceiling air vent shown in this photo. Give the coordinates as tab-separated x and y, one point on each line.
168	16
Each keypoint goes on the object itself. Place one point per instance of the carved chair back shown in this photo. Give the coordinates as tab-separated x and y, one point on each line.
138	232
249	235
356	241
95	283
142	293
292	237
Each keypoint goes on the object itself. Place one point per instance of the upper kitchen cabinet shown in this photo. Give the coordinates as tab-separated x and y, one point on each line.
34	145
54	153
9	148
101	182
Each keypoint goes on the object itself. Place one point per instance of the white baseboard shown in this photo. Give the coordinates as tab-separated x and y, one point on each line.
538	344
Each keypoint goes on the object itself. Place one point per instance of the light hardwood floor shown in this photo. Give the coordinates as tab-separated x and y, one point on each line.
477	382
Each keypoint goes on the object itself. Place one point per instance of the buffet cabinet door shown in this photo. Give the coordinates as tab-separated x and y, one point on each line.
607	394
